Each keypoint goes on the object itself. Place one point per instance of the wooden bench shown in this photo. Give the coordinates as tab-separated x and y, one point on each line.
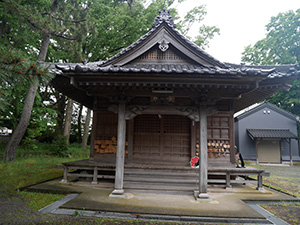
97	169
239	172
84	165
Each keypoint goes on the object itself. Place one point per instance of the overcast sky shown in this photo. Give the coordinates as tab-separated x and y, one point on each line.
241	22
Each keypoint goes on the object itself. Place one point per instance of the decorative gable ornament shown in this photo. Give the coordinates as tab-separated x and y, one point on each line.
164	16
163	45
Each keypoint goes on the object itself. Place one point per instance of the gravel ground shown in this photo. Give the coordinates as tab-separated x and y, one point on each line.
15	211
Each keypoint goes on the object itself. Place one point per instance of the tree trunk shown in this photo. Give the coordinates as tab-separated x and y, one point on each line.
60	110
79	124
11	147
10	151
68	119
86	129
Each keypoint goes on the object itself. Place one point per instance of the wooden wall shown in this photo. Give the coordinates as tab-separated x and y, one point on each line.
152	136
220	143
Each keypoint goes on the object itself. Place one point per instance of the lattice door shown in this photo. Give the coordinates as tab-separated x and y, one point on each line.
166	139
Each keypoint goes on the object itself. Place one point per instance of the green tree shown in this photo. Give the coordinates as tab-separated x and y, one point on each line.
45	18
280	46
206	33
49	30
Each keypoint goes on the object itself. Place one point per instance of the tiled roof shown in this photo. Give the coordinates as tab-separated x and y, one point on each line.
270	133
169	68
163	17
219	69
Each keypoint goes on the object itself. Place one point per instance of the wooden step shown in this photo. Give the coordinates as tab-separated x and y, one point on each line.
160	180
157	181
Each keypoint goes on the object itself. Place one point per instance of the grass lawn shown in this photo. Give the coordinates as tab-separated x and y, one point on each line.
32	167
285	179
35	166
287	211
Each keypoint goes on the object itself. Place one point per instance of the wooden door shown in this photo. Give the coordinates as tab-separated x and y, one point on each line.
165	139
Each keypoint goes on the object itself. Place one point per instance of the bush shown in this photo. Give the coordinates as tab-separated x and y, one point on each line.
60	147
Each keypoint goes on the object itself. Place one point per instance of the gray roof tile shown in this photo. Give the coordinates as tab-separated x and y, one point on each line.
170	68
271	133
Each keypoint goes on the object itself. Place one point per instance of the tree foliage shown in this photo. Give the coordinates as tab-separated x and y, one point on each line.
75	30
205	33
280	46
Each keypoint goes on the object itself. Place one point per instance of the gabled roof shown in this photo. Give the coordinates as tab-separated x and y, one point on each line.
270	133
164	58
163	34
263	105
182	57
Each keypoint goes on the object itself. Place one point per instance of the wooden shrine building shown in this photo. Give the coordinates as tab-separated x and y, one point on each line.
163	100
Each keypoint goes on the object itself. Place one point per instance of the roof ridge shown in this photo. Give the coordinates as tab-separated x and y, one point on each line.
163	17
263	104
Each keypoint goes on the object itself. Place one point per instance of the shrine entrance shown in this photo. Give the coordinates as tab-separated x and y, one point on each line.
162	139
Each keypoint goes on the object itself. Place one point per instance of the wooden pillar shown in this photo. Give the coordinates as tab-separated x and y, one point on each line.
232	139
120	156
65	178
130	139
228	186
290	149
93	135
203	164
256	147
260	182
95	176
193	138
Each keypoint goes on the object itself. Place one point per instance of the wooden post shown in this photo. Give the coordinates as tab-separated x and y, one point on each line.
203	164
65	178
93	135
228	186
259	182
95	176
193	138
232	139
291	154
120	157
130	139
256	146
